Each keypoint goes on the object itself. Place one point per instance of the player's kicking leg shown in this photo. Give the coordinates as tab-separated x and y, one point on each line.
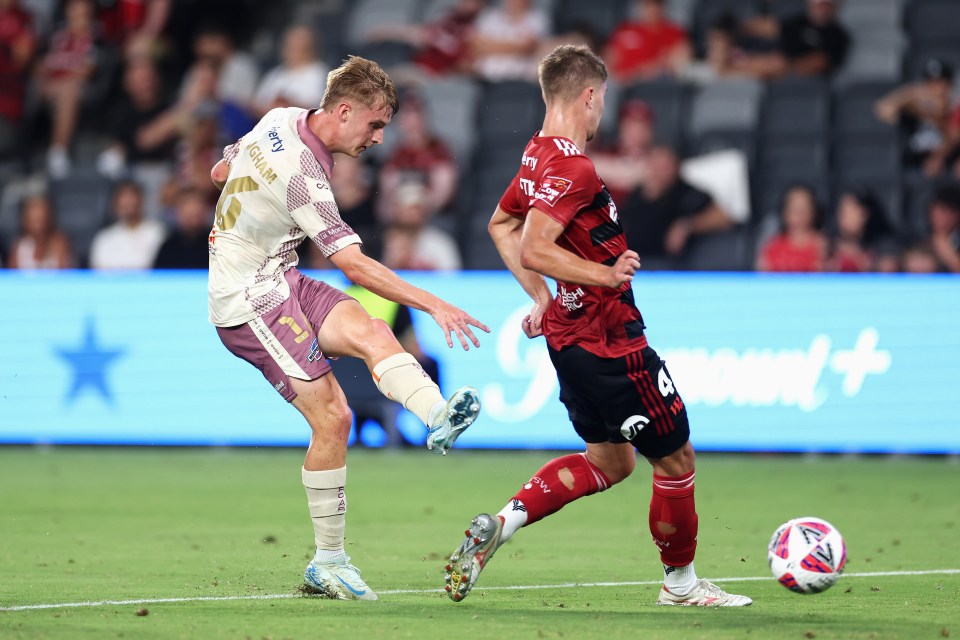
348	330
401	378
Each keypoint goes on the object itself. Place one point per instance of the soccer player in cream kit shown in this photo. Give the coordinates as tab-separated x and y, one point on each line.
275	192
557	219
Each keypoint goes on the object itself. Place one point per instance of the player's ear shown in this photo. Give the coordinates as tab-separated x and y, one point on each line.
344	111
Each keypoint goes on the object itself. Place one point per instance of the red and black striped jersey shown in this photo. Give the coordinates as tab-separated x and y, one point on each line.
557	179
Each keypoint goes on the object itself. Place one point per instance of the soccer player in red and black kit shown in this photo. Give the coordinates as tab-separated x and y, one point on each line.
557	219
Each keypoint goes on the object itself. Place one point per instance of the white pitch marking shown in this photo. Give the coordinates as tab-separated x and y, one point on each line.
519	587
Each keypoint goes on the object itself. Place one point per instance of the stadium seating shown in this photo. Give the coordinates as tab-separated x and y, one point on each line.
853	109
600	16
681	11
722	251
794	130
796	107
452	104
734	104
368	15
509	111
879	57
434	9
387	54
81	201
866	159
932	21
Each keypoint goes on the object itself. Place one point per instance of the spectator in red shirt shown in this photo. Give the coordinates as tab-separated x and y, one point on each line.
125	20
17	46
800	245
442	46
420	157
650	47
63	74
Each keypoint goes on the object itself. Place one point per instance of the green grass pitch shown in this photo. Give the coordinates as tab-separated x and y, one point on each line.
92	525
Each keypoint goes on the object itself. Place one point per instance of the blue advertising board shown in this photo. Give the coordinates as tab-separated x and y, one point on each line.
763	362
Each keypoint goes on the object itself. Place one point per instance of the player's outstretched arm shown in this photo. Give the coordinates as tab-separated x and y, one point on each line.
540	252
373	276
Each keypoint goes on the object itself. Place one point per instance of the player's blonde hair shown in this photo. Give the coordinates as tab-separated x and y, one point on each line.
361	80
567	70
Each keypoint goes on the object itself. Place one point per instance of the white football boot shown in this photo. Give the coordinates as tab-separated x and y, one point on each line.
337	580
703	594
462	409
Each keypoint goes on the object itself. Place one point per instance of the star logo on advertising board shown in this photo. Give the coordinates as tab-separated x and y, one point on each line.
89	362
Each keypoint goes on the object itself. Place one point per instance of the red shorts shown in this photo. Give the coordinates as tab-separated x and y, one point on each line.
282	343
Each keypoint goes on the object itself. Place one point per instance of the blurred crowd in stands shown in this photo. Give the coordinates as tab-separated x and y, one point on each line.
777	135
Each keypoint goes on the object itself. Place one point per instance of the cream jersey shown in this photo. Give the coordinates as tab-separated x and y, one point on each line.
277	193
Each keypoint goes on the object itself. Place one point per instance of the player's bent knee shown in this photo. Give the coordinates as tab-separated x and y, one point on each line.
623	470
616	468
376	339
382	332
342	418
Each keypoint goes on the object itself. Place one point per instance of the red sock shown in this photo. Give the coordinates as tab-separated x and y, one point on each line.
673	519
547	493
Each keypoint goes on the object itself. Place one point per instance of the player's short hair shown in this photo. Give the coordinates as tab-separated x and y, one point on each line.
361	80
567	70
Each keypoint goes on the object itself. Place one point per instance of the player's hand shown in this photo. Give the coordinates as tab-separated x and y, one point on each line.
532	323
455	320
623	269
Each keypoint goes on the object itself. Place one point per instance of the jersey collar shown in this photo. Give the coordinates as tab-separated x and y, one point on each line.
539	138
315	144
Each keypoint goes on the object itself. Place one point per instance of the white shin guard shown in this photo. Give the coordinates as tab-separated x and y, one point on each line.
401	379
327	502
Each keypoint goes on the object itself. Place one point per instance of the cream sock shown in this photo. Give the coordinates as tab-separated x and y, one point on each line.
679	580
514	516
327	503
401	379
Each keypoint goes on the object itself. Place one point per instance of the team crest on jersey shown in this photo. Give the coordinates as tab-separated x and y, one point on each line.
552	189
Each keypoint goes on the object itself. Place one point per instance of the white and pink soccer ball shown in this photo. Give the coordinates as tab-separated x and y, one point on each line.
807	555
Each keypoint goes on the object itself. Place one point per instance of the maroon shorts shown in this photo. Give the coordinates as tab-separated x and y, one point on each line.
282	343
